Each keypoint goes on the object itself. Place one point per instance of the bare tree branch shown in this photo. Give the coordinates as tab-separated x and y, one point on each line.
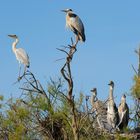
66	73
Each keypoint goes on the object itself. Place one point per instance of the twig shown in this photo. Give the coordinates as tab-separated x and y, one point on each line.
134	70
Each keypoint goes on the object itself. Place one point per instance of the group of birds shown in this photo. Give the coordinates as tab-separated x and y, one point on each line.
106	116
72	21
109	117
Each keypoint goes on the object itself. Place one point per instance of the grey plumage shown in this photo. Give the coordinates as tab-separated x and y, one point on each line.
100	109
75	24
123	111
112	111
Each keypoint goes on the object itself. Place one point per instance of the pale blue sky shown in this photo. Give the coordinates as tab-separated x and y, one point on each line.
112	31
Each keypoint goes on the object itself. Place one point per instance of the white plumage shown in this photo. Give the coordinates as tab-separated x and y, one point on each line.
20	54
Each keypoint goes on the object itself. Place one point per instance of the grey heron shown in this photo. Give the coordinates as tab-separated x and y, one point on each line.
75	24
20	54
100	110
97	104
112	111
123	111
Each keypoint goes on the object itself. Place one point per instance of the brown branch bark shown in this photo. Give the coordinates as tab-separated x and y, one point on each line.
67	75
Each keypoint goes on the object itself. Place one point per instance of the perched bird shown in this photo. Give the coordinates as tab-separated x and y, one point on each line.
75	24
112	111
93	96
123	111
20	54
100	110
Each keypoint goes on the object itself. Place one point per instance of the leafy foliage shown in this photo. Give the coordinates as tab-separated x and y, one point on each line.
48	117
136	87
55	113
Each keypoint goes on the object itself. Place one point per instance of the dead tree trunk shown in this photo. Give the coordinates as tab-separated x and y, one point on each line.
66	73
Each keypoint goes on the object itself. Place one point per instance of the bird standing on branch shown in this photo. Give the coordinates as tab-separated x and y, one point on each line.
21	55
75	24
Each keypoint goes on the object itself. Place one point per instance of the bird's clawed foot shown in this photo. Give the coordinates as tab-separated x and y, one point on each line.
73	48
19	78
117	129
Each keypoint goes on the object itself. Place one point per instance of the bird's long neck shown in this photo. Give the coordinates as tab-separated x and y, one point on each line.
14	44
111	98
68	17
92	100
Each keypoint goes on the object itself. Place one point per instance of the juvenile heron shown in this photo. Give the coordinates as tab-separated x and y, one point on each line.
100	110
20	54
123	111
75	24
112	111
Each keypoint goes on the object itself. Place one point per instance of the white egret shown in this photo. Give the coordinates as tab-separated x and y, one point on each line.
21	55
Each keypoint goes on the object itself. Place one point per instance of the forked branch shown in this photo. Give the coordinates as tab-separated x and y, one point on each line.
66	73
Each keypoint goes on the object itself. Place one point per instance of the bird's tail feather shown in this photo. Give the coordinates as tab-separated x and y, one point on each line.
82	37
